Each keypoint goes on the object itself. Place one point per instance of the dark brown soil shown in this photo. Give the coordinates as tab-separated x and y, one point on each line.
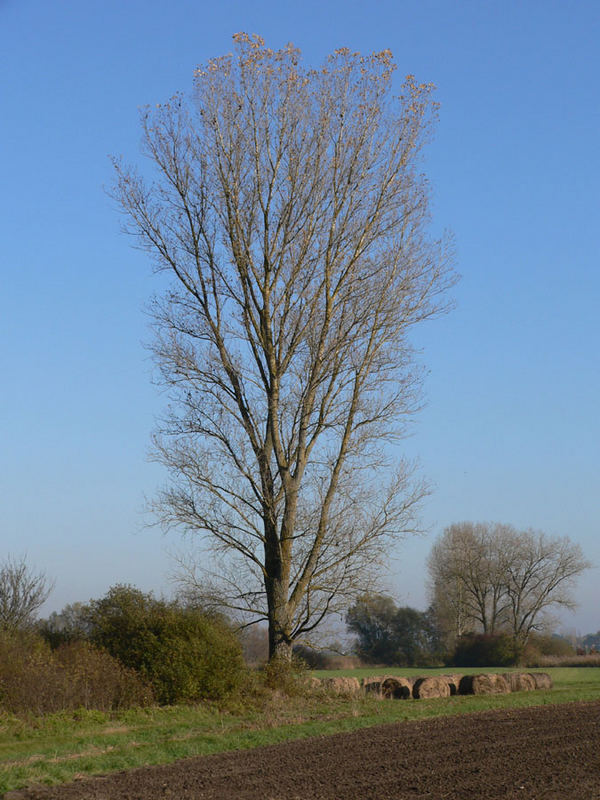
551	752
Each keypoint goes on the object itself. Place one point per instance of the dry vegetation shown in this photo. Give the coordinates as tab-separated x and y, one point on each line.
565	661
38	680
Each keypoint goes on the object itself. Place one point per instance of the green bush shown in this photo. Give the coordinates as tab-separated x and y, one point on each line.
184	654
485	650
35	679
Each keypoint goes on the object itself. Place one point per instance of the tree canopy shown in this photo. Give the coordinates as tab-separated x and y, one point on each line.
387	634
22	593
288	208
491	577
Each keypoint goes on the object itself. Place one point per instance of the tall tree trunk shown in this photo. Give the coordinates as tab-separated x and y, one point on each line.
277	590
280	646
280	640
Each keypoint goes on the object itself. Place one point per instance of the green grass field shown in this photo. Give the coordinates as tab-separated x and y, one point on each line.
62	747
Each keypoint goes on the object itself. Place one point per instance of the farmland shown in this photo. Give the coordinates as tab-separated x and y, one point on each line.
529	753
64	747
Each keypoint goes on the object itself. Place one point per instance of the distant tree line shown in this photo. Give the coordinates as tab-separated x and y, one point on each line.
387	634
591	642
492	589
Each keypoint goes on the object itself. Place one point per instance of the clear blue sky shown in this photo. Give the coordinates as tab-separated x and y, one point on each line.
511	430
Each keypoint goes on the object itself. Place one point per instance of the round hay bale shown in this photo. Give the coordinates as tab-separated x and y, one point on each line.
453	682
373	684
341	686
434	686
542	680
373	687
312	683
520	681
396	688
486	683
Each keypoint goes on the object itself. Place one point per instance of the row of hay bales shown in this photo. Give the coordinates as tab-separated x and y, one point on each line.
398	688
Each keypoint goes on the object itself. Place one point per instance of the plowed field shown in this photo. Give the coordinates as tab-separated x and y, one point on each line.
551	752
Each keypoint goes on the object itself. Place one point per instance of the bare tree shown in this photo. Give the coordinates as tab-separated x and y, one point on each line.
491	577
541	574
447	601
290	214
22	593
468	576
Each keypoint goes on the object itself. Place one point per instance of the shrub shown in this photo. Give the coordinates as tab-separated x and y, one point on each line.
27	673
565	661
288	677
195	658
540	646
35	679
485	650
184	654
92	678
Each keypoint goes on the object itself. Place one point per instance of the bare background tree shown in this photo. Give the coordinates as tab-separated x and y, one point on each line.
22	593
541	575
290	213
491	577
